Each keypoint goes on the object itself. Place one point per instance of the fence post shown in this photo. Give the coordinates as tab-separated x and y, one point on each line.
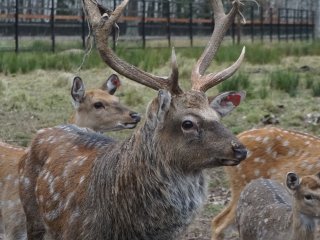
252	22
168	23
294	23
16	37
302	23
261	23
83	29
190	24
313	17
287	24
308	26
279	21
143	24
271	23
316	19
52	26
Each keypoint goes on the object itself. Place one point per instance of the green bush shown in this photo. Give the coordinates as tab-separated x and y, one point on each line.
285	81
316	89
238	82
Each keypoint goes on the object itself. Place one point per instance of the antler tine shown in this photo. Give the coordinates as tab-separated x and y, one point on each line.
222	24
102	27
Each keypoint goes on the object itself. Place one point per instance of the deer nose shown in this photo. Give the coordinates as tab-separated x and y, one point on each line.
240	152
135	116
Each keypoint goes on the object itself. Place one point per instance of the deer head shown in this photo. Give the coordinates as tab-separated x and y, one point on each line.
99	109
191	118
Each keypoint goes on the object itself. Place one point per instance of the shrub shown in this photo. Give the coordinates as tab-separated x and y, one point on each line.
316	89
285	81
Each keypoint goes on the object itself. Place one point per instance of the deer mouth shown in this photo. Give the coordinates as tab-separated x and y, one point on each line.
229	162
129	125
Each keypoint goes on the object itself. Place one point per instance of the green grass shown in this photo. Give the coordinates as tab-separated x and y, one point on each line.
147	59
316	89
35	86
286	81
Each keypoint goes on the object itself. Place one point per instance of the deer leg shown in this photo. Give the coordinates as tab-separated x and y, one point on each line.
222	221
28	180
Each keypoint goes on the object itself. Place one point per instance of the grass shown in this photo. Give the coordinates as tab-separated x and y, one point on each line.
34	87
286	81
67	60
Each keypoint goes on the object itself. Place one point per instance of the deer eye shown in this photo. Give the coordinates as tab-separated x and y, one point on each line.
187	124
98	105
308	197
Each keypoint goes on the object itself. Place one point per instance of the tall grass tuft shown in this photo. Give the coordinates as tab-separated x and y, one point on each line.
285	81
238	82
309	81
316	89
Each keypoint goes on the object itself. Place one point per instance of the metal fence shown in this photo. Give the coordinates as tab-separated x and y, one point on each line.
150	23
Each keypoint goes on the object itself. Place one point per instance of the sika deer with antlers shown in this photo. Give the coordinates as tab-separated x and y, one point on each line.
272	152
81	185
266	210
97	109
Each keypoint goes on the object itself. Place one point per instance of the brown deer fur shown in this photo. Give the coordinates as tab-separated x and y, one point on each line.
267	211
82	185
114	116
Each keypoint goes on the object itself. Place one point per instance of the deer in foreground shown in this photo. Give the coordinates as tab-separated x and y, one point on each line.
272	152
82	185
267	211
97	109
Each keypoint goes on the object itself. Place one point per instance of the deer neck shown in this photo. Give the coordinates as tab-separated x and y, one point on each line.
304	226
143	188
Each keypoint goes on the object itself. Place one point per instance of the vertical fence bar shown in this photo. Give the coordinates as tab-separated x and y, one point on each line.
52	27
271	23
168	23
83	29
252	23
287	24
301	24
261	24
16	26
313	25
294	24
279	21
308	26
191	23
143	24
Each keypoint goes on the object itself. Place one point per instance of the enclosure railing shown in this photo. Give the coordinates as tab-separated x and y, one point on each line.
149	21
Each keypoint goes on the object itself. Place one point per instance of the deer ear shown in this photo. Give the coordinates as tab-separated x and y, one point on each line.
292	181
164	101
225	102
77	90
111	84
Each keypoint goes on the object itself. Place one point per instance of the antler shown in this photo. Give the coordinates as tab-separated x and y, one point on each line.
102	27
222	21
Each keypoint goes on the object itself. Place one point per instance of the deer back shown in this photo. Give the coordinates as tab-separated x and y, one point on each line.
272	152
268	210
